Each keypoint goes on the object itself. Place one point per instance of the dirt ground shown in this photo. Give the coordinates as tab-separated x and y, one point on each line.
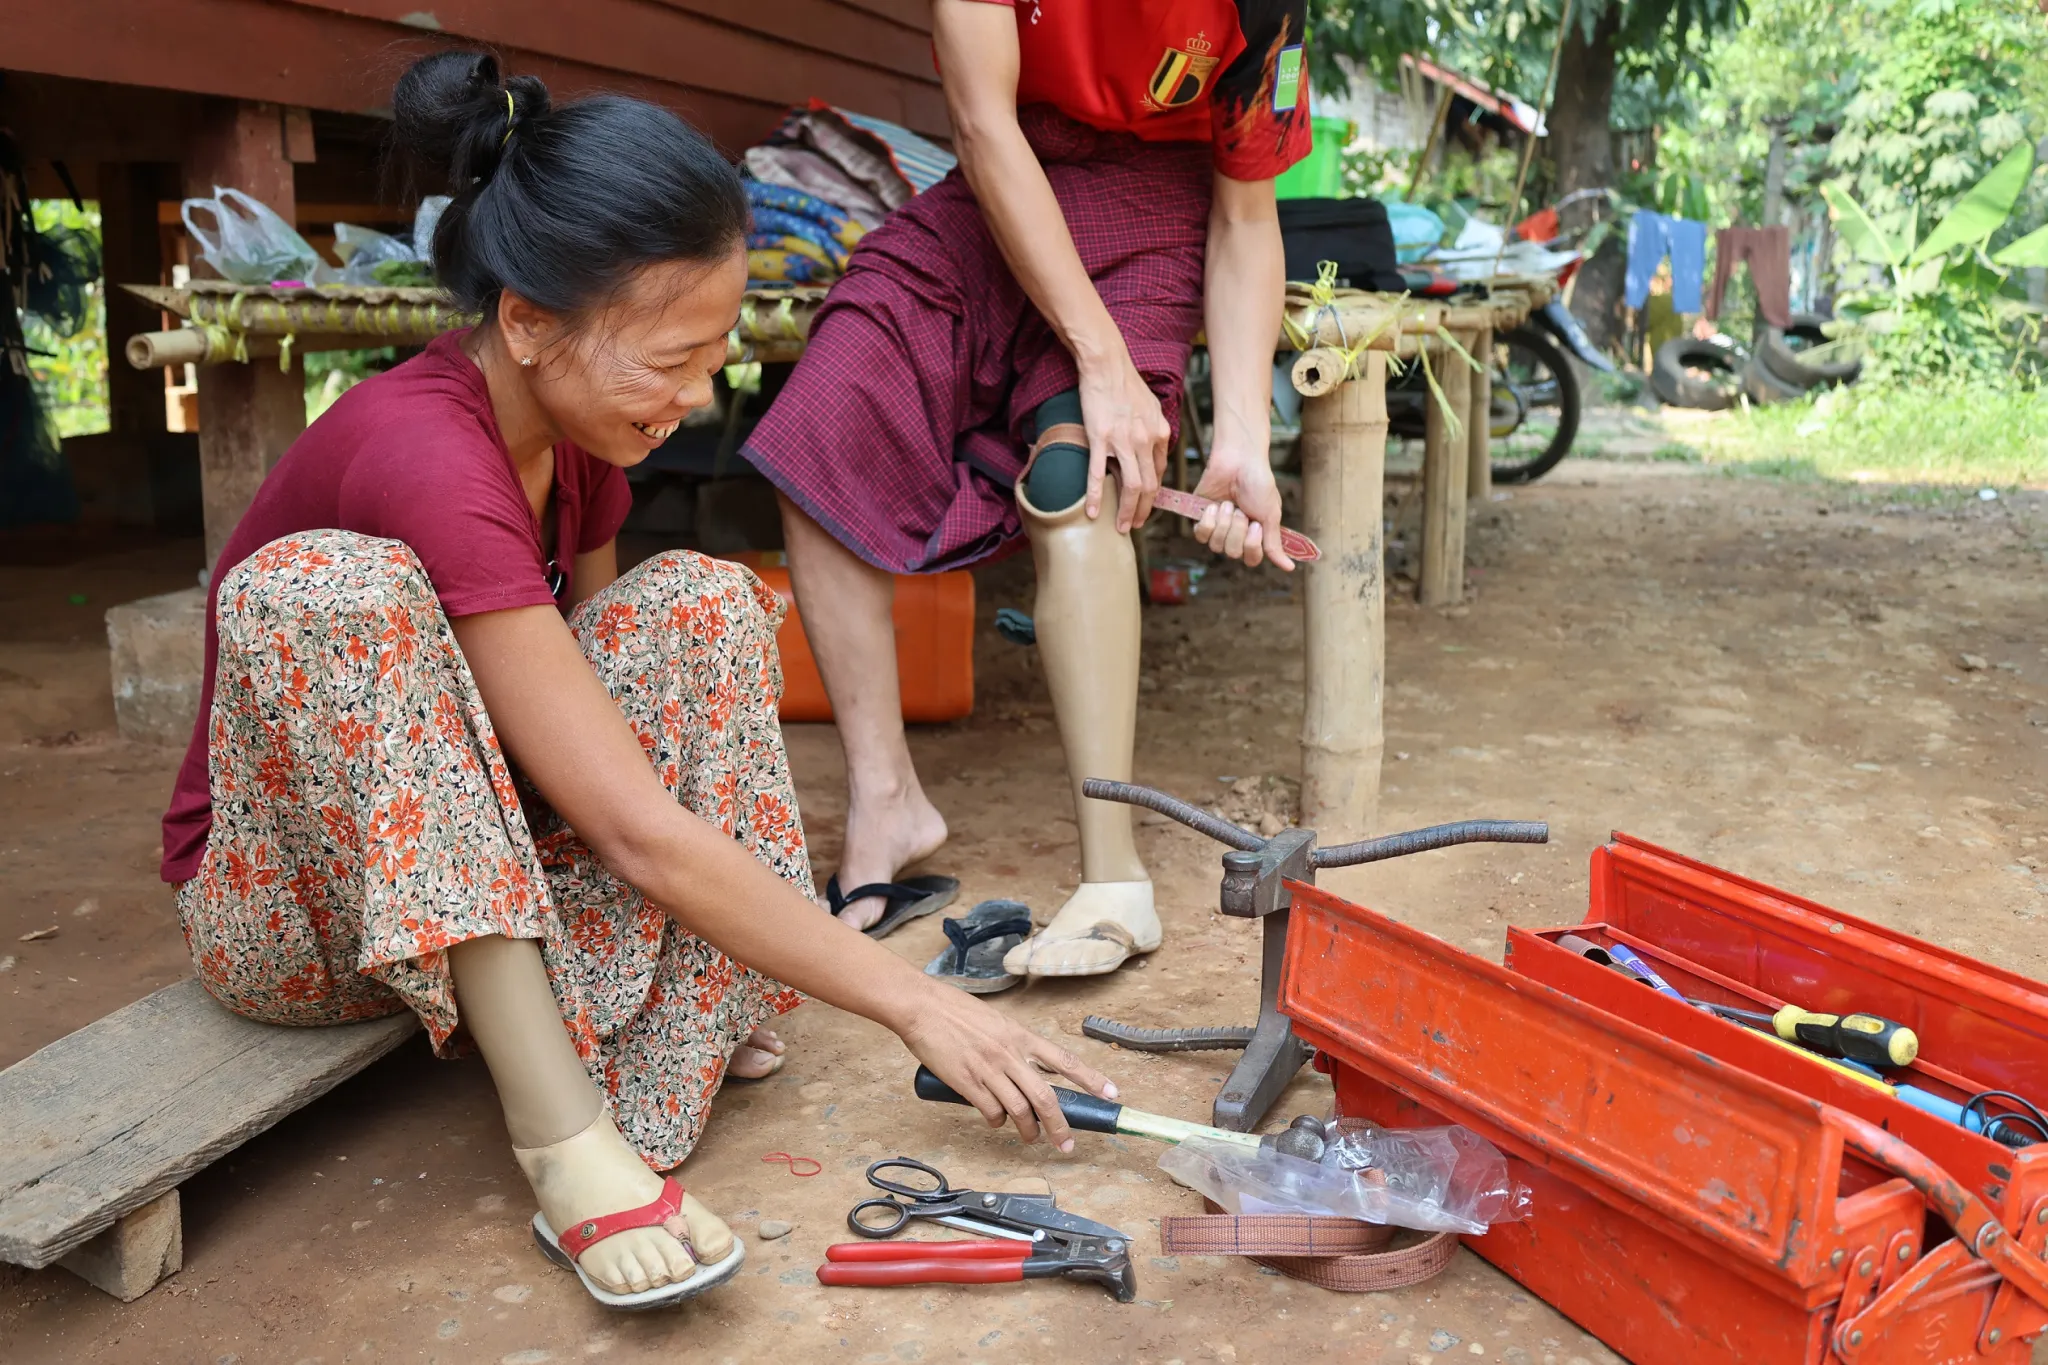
1832	689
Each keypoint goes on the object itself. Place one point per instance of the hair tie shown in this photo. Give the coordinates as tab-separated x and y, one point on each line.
511	117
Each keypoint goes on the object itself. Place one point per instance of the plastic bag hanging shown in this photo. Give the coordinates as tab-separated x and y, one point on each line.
250	244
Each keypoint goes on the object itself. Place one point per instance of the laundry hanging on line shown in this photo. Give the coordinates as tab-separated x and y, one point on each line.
1652	237
1768	250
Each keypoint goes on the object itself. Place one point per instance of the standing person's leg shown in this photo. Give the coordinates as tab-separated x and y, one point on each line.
1088	639
847	606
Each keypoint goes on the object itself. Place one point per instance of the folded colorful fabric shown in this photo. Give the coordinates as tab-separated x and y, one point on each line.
831	217
788	267
782	241
779	222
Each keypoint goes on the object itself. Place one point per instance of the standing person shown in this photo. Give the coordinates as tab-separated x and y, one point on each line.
1034	312
415	784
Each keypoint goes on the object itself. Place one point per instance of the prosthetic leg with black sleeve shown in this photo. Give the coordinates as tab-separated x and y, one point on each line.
1088	638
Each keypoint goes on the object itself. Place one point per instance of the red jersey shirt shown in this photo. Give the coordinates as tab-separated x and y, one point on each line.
1227	72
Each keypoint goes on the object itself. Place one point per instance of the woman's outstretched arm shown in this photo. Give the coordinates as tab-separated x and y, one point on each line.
557	722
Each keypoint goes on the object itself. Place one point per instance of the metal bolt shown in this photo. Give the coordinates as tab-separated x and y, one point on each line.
1113	1246
1836	1259
2042	1216
1993	1335
1906	1252
1989	1235
1855	1338
1865	1268
988	1201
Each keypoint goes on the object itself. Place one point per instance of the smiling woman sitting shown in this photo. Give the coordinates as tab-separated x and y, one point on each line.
451	761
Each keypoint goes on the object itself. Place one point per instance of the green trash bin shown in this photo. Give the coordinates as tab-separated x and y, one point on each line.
1320	174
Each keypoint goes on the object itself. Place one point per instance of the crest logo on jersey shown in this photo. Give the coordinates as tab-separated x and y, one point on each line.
1182	74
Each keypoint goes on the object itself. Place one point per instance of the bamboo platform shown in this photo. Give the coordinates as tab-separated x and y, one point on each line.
1347	338
234	323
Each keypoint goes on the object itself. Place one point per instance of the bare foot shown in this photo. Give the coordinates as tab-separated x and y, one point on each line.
597	1172
758	1058
884	835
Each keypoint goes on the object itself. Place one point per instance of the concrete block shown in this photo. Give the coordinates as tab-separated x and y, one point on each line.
158	648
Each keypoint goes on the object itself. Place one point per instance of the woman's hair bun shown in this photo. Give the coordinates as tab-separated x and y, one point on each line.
559	205
451	117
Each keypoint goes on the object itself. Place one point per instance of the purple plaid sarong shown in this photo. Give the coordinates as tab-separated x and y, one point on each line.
904	426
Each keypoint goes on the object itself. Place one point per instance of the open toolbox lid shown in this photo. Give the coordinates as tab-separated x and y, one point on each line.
1633	1103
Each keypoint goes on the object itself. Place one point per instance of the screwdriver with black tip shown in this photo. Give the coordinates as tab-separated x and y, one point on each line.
1867	1038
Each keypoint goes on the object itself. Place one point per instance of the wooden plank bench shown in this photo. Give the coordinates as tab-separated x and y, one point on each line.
98	1129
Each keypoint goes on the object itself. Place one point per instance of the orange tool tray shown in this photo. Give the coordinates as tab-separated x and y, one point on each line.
934	617
1702	1194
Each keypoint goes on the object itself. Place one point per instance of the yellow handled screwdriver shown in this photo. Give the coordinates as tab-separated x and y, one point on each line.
1867	1038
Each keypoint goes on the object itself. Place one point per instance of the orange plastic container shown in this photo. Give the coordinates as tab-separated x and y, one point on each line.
934	645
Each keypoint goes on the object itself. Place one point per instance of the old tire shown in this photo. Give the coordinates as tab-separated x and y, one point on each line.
1689	373
1764	388
1781	353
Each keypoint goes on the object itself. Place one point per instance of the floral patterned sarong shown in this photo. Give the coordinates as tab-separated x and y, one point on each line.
364	818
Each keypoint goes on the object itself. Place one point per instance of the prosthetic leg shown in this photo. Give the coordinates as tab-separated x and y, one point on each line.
1088	637
635	1239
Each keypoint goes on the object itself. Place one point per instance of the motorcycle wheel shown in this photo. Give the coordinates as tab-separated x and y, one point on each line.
1535	412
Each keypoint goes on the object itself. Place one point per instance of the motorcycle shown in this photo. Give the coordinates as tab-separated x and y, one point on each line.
1536	394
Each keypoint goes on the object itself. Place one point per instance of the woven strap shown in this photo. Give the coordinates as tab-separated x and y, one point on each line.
1343	1254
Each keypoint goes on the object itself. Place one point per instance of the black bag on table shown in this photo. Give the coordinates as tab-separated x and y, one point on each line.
1352	232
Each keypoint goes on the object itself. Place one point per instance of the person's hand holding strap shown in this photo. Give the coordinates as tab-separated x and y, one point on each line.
1245	288
1125	425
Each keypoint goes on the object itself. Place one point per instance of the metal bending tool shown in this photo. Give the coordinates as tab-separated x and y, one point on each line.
1255	873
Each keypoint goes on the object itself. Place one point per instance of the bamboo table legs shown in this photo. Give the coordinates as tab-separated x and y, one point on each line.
1445	467
1343	462
1479	430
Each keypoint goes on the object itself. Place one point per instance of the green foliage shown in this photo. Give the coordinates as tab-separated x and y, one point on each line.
70	373
330	374
1955	431
1950	309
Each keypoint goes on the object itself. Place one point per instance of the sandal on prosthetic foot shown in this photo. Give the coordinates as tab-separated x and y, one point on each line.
566	1249
1102	926
595	1170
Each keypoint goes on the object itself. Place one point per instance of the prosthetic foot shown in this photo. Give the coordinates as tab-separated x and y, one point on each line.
1088	636
633	1238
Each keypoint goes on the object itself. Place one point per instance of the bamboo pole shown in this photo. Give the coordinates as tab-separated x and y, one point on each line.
1343	463
1436	130
1529	142
1479	426
1441	580
218	346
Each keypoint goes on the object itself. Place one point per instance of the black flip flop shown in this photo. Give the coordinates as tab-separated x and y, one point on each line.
912	898
978	940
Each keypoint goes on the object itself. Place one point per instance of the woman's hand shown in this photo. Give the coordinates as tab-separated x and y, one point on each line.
1124	424
993	1062
1245	522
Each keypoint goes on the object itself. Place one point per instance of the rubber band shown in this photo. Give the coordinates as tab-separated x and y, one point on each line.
511	118
794	1161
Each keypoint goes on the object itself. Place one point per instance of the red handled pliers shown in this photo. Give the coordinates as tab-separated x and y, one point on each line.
1034	1238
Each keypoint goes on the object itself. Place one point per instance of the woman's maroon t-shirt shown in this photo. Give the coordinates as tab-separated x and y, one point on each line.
412	455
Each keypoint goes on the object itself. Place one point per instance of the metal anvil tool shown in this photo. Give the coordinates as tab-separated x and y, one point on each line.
1255	874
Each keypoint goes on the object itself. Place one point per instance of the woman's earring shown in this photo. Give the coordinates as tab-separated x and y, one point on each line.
526	360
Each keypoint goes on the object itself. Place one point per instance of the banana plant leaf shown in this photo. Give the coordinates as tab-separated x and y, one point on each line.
2031	249
1983	210
1866	239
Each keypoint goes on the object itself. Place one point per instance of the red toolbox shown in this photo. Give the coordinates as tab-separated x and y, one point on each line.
1701	1193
